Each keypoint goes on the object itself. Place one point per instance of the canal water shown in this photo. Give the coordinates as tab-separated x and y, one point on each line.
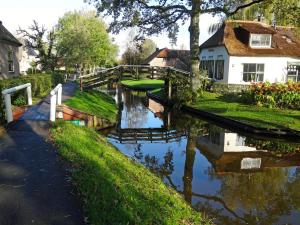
231	177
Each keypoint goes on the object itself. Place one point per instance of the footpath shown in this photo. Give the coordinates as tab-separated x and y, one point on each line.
34	184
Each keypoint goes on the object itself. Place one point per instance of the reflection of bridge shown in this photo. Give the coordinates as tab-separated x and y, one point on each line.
134	135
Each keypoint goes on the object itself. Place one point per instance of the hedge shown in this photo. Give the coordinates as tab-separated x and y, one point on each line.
41	85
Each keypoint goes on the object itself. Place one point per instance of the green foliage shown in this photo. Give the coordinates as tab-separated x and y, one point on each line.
82	39
231	106
275	95
143	84
287	12
138	51
96	103
41	85
115	189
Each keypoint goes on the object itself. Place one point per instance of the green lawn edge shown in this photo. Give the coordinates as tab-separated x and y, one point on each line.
94	102
115	189
143	84
261	117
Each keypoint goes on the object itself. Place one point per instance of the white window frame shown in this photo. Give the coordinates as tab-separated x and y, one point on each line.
296	75
252	36
256	72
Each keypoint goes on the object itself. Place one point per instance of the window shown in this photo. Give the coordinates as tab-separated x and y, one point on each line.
253	72
260	40
293	73
219	68
210	67
10	61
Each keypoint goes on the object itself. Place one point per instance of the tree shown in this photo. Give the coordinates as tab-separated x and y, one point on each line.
37	38
138	50
286	12
82	40
157	16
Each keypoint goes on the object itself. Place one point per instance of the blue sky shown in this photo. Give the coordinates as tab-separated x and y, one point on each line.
15	13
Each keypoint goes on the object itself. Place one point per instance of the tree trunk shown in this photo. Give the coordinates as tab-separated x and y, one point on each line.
194	44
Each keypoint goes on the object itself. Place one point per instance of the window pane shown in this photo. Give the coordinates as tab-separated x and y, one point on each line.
260	67
252	67
219	69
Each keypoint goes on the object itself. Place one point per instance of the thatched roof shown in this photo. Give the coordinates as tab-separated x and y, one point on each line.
7	37
235	35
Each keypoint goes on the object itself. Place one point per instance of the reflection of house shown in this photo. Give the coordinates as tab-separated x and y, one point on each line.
242	51
228	152
169	57
9	54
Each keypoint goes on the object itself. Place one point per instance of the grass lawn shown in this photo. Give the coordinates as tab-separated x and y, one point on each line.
114	188
143	84
94	102
249	114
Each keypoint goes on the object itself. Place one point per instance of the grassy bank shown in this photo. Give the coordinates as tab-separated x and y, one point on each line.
115	189
250	114
143	84
94	102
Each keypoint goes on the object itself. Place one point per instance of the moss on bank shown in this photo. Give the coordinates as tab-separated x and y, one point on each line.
143	84
249	114
115	189
94	102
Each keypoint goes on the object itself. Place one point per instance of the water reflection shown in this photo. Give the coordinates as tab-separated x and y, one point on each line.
235	179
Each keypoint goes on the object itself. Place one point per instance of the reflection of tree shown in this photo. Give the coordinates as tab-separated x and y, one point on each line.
188	168
135	113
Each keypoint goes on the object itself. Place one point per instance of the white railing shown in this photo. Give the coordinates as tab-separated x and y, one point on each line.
7	98
55	99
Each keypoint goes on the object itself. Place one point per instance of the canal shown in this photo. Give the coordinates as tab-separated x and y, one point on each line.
231	177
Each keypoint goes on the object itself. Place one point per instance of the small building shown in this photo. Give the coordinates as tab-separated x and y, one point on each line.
29	58
9	54
169	57
241	52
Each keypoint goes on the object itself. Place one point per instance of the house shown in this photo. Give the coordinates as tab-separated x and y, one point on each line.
9	54
28	59
169	57
241	52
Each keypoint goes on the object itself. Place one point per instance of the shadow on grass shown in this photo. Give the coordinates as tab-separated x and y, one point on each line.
116	190
257	122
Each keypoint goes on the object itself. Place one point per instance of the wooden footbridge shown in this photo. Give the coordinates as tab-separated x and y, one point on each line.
100	77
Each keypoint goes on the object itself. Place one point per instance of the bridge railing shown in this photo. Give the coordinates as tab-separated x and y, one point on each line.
101	76
55	100
7	98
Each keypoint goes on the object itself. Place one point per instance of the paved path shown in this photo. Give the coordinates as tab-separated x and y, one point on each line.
34	185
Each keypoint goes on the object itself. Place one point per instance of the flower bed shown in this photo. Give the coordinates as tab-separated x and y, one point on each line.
274	95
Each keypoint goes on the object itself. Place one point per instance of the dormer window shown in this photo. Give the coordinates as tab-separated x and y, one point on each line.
260	40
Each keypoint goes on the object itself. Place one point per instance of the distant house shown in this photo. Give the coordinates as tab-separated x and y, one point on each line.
9	54
169	57
241	52
28	57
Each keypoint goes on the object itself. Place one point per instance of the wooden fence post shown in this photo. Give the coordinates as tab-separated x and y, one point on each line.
81	84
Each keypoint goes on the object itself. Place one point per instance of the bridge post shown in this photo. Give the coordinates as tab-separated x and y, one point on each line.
81	84
152	73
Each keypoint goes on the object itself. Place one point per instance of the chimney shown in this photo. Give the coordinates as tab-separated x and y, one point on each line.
157	49
0	22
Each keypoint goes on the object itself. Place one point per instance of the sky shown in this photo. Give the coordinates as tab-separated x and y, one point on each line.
21	13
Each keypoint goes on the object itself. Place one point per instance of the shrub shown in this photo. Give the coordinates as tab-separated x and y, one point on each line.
41	85
275	95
